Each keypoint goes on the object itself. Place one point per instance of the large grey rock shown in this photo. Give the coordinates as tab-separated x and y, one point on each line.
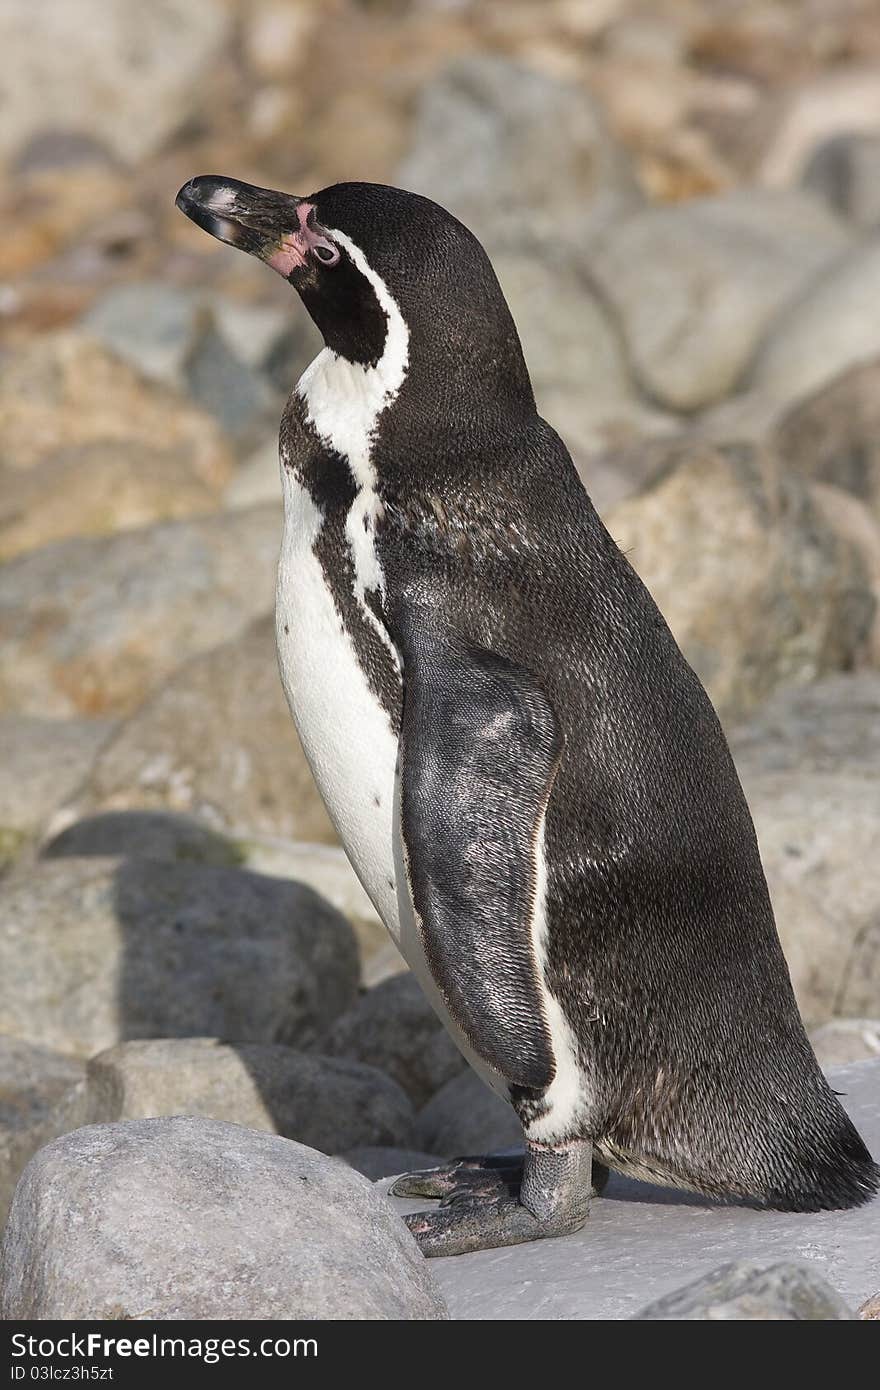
394	1028
94	951
42	1095
846	1040
216	742
44	762
842	101
833	435
190	1218
845	171
746	1292
755	584
829	327
644	1242
807	762
696	284
326	1103
377	1163
126	74
466	1117
91	626
499	120
157	835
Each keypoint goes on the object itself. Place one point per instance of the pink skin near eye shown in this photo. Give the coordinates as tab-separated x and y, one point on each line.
294	247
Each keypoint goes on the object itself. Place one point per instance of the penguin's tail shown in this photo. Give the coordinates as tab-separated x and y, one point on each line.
833	1172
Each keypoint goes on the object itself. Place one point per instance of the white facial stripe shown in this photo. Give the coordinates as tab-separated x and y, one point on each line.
344	401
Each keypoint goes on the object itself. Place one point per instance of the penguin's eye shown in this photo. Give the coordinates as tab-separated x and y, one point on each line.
327	253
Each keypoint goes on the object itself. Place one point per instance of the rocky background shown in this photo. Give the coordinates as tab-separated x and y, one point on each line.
682	199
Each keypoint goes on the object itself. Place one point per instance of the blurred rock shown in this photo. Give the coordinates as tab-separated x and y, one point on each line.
377	1163
135	1220
96	490
92	626
394	1028
95	951
127	75
695	285
745	1292
216	742
328	1104
62	390
807	769
845	171
44	761
156	835
755	585
870	1309
846	1040
858	530
499	121
466	1117
257	480
384	964
836	103
829	327
833	435
42	1095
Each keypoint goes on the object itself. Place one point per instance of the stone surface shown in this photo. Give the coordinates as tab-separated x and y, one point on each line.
499	120
833	435
96	490
90	626
807	766
642	1243
190	1218
62	391
394	1028
320	1101
44	761
217	740
770	596
257	480
376	1163
746	1292
95	951
155	835
42	1095
466	1117
696	284
126	74
830	327
845	171
846	1040
836	103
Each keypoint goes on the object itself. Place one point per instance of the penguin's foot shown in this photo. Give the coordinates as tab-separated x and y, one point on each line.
494	1201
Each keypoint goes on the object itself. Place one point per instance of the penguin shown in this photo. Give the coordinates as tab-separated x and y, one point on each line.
527	776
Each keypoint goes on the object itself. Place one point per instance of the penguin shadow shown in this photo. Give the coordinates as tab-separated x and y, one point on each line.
197	956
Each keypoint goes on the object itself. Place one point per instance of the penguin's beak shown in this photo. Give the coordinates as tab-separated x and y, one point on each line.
277	228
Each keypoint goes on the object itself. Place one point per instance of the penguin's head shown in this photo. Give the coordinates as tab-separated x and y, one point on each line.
359	253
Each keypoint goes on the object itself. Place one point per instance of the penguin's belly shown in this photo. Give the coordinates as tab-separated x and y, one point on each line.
349	742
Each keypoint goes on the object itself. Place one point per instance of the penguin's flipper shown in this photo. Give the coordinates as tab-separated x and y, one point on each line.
480	746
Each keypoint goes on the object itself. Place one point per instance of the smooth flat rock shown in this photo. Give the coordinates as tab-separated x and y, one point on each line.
643	1242
744	1292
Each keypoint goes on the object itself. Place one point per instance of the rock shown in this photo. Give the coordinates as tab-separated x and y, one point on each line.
844	102
384	965
845	171
257	480
216	741
806	768
846	1040
643	1242
833	435
328	1104
466	1117
376	1163
574	351
62	391
125	75
394	1028
42	1094
870	1309
96	490
91	626
746	1292
95	951
490	169
44	761
828	328
136	1220
857	529
756	586
696	284
144	835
